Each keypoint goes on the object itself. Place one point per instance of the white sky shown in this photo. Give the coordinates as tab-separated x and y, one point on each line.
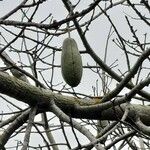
96	36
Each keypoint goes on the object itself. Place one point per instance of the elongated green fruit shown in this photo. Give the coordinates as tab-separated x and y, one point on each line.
71	62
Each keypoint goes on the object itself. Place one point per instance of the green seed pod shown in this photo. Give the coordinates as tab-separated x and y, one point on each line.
71	62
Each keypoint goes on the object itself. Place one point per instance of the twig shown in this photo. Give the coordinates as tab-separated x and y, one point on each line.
28	128
62	116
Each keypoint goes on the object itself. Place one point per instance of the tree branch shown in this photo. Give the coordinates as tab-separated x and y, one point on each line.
75	107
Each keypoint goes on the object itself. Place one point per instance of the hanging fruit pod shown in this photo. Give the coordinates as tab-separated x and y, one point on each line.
71	62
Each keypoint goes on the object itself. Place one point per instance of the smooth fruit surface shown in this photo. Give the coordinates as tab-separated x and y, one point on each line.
71	62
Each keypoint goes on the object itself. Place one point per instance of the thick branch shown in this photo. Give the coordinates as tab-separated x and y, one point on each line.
32	95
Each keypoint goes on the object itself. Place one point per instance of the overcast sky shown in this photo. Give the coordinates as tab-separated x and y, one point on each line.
97	36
